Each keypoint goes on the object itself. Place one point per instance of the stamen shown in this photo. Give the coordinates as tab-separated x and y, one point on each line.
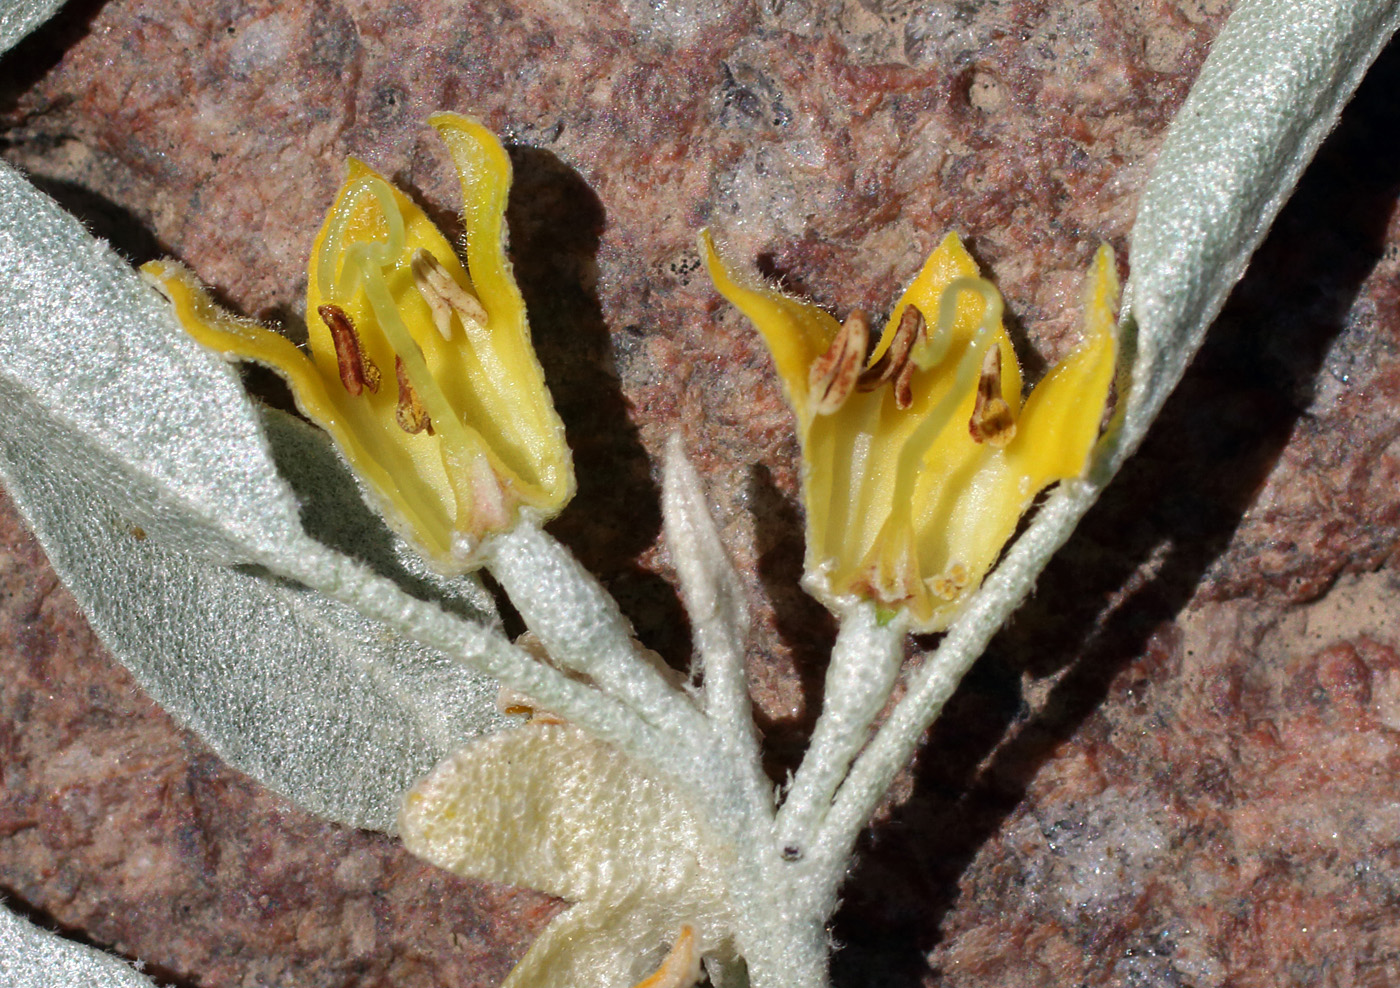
952	583
357	371
442	293
681	968
508	701
992	421
894	574
894	364
833	375
409	413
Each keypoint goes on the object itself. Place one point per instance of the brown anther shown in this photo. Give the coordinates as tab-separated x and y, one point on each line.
509	701
410	413
442	293
833	375
894	364
518	704
357	371
992	421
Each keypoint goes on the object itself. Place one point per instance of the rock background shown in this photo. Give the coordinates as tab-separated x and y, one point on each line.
1179	765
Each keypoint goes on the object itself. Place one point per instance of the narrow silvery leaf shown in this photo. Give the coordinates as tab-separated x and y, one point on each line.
303	693
714	601
31	957
1276	79
19	17
714	597
169	429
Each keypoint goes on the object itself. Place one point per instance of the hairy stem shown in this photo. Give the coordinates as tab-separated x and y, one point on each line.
864	665
583	629
478	646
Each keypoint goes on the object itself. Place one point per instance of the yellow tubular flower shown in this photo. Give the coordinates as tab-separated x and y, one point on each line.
420	368
919	460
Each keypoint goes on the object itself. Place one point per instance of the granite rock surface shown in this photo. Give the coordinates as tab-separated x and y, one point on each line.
1179	765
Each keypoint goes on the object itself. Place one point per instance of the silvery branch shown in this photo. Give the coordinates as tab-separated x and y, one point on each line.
334	642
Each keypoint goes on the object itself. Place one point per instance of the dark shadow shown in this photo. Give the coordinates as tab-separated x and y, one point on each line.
334	513
773	274
555	222
1176	505
162	977
805	626
37	54
103	218
1033	365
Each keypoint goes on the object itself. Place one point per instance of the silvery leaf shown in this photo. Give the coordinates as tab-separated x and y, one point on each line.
145	472
31	957
1275	82
19	17
86	341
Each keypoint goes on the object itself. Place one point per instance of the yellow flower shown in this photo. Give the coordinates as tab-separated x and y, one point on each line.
919	460
420	367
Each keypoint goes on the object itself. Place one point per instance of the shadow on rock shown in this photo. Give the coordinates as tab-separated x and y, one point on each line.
37	54
555	222
803	624
103	218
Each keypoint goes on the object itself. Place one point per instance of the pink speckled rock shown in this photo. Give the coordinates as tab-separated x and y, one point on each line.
1177	766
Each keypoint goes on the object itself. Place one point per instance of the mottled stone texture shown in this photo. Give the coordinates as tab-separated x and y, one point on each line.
1178	765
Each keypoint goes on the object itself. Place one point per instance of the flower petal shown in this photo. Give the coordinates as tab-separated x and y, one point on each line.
914	479
884	483
523	425
1056	432
797	332
1062	417
462	436
949	262
357	430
